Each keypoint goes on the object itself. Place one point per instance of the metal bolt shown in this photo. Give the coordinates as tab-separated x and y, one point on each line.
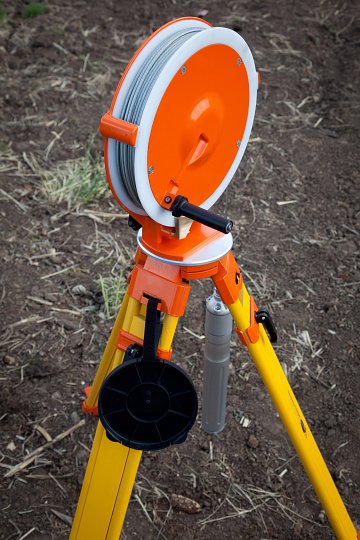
167	199
151	170
239	61
183	69
133	351
238	143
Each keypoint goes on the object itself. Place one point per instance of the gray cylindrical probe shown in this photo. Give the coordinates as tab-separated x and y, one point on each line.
218	327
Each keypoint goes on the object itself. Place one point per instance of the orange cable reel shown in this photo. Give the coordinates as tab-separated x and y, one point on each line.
176	131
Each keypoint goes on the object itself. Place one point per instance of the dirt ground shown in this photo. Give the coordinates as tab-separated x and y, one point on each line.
296	210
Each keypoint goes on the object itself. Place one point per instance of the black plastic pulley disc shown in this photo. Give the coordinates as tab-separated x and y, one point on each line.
148	404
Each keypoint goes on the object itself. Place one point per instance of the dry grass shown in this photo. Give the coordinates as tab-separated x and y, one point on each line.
159	510
113	289
239	501
9	161
301	352
261	286
113	256
76	181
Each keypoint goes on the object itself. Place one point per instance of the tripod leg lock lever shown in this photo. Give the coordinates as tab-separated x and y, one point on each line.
257	316
264	317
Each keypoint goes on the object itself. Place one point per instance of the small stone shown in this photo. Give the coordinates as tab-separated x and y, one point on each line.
75	341
68	323
56	259
321	516
51	297
202	13
9	360
75	417
11	446
252	442
56	396
79	290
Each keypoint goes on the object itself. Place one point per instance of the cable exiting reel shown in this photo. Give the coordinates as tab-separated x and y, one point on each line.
175	134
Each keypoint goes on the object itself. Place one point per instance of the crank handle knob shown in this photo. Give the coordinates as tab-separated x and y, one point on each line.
182	207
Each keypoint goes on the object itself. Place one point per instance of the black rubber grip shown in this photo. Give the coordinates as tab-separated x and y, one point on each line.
181	207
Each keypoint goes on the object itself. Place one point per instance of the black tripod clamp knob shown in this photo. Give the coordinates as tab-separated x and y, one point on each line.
264	317
182	207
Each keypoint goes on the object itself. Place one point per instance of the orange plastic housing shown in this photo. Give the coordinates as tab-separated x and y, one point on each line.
201	118
161	280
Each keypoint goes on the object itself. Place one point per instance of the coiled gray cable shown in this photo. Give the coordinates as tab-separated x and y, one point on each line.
136	99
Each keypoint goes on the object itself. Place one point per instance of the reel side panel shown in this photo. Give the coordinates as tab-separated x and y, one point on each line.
198	126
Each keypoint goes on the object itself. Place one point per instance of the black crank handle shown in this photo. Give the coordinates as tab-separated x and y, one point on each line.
181	207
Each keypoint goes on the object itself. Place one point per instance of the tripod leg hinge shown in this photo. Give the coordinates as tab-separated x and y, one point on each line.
252	332
228	279
164	283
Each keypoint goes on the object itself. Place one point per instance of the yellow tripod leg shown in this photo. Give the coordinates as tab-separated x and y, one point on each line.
107	357
112	467
132	463
106	490
294	421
